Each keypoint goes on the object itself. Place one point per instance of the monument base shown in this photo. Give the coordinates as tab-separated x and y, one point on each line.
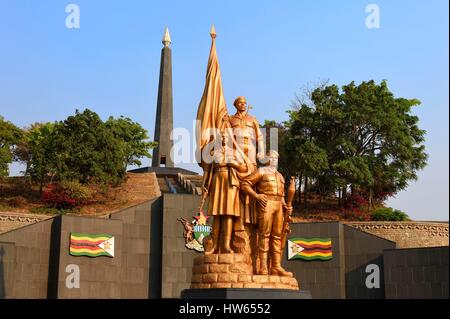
231	271
245	293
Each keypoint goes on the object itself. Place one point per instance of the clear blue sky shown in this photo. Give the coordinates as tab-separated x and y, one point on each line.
267	51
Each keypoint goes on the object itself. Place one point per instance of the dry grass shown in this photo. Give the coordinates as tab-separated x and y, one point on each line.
16	195
326	209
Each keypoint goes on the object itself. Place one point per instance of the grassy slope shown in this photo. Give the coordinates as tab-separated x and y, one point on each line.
17	196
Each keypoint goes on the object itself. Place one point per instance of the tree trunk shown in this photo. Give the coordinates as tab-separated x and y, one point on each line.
339	197
371	198
300	181
305	199
27	168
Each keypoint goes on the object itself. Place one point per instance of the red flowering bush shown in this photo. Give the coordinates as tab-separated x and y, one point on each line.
382	196
355	201
353	208
355	214
66	194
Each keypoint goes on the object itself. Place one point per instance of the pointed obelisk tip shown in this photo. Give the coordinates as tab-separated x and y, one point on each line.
212	32
166	38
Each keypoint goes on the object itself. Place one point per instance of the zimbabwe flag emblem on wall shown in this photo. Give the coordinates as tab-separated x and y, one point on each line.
91	245
310	248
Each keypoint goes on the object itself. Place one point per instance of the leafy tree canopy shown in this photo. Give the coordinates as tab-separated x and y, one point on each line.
359	136
82	148
10	135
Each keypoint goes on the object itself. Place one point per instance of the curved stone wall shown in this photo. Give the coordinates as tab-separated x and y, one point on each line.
408	234
10	221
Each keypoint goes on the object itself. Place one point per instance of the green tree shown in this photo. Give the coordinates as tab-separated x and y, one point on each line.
384	135
82	148
360	137
38	152
134	138
389	214
305	147
10	135
87	150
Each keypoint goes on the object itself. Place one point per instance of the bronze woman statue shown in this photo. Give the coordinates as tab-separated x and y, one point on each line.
224	194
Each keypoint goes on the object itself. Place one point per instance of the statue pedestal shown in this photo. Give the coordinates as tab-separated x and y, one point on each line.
234	271
244	293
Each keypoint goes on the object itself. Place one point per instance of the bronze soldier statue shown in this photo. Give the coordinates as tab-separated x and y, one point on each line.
246	130
272	214
249	139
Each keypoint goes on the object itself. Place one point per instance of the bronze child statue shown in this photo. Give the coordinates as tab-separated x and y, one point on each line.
272	214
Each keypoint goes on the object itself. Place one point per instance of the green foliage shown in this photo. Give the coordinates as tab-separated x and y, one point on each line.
134	138
38	151
87	150
360	137
389	214
10	135
77	191
82	148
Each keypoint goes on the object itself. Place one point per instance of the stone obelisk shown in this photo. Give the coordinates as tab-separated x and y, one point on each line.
164	111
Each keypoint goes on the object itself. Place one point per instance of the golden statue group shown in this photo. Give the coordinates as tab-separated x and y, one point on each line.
245	194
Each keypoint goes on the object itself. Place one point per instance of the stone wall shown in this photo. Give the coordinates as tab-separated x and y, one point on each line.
7	259
344	276
177	260
417	273
408	234
127	275
324	279
31	255
34	258
100	277
141	269
363	249
10	221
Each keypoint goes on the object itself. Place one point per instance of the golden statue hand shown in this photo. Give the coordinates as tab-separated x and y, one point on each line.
287	218
288	210
262	200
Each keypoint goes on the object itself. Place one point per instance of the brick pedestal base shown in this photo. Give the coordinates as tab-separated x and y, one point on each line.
231	271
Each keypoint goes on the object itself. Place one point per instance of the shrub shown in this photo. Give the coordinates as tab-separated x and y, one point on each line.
66	194
354	214
389	214
77	191
355	201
